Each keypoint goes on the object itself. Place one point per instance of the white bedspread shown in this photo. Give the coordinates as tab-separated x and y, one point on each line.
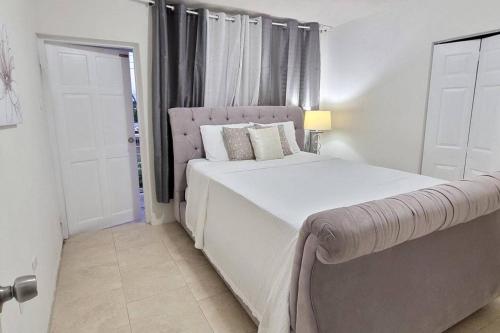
246	216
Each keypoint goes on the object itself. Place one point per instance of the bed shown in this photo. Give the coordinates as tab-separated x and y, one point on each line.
317	244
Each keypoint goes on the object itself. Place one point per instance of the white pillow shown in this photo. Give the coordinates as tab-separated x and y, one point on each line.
213	141
266	143
289	127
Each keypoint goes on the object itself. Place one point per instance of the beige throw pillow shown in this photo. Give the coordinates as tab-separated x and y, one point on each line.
266	143
284	141
237	143
290	134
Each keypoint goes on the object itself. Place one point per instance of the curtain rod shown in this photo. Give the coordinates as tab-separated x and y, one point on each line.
323	28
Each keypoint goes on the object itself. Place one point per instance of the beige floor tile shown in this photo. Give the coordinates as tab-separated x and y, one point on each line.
151	280
201	278
123	329
134	235
172	311
170	231
493	327
128	226
163	324
190	254
478	320
207	285
182	248
91	239
105	312
89	280
156	276
143	256
77	257
226	315
184	252
464	326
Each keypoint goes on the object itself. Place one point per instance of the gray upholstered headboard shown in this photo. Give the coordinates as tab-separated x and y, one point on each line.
187	144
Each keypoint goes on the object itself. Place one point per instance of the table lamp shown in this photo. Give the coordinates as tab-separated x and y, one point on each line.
317	122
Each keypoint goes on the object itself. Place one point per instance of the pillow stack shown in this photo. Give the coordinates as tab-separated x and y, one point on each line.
249	141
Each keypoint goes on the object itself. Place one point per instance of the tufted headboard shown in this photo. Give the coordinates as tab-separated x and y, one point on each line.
186	137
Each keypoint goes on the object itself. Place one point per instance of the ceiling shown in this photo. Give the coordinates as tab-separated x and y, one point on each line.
328	12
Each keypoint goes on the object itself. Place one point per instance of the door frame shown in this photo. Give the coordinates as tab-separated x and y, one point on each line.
42	40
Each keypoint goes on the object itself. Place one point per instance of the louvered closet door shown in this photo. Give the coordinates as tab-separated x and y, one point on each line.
449	109
483	152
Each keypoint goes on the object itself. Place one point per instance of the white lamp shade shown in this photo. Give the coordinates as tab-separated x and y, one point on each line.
318	120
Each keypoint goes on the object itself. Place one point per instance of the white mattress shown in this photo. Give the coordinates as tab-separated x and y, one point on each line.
246	216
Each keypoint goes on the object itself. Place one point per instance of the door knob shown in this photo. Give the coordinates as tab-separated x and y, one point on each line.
131	140
23	289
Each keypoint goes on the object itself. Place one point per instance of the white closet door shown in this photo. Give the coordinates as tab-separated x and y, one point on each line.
483	152
451	95
94	122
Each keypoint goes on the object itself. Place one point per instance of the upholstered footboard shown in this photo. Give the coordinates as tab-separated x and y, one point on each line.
417	262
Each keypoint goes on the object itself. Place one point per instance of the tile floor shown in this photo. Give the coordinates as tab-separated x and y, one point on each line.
147	279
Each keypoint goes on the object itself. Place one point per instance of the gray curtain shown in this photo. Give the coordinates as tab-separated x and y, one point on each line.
178	72
310	70
290	72
293	79
274	63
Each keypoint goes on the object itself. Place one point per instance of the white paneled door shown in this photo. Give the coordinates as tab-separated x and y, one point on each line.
94	123
483	152
451	97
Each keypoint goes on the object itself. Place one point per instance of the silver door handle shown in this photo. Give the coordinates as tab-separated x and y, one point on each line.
23	289
131	140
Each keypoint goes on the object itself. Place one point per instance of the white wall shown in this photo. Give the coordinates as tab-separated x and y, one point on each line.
375	75
116	21
29	220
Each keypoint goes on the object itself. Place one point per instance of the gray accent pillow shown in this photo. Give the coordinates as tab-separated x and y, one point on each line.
237	143
284	141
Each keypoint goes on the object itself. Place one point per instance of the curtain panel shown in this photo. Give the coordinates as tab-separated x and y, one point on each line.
178	72
310	69
233	61
291	67
247	90
223	60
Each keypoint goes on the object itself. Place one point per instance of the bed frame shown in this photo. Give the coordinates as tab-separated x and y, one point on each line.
187	143
417	262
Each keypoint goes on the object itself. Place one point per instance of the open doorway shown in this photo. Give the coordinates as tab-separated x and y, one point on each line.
97	137
137	134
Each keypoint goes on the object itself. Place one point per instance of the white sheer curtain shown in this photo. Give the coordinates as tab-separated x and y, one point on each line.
233	61
247	92
223	60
